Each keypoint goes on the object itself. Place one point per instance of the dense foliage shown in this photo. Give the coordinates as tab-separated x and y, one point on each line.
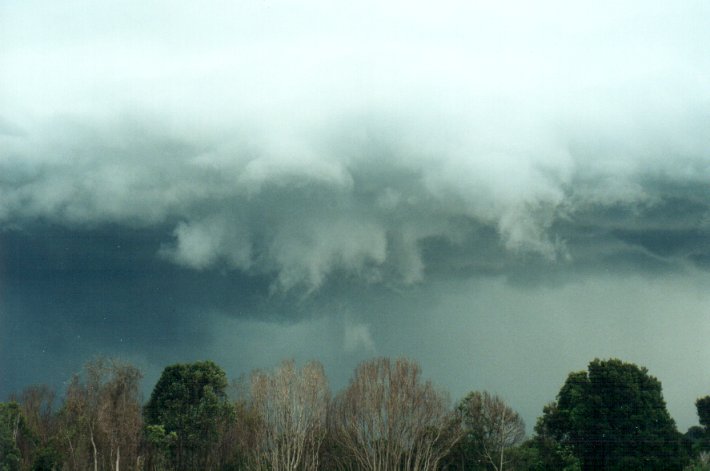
190	402
610	417
613	416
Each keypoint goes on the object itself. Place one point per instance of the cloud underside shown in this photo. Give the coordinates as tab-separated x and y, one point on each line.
380	201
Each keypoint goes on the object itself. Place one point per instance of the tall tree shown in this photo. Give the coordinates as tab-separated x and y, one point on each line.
100	420
37	405
614	417
388	418
291	406
74	431
191	401
119	413
491	427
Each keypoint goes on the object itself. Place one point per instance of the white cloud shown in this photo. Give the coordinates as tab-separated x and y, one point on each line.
358	337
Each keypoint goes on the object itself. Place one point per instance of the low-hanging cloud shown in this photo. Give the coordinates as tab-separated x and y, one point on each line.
352	193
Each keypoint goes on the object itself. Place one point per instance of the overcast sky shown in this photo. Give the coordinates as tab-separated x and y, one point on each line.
502	191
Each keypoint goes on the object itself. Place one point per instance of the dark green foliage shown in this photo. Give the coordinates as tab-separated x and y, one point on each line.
698	466
190	401
703	407
543	455
464	455
157	444
698	438
613	417
47	459
546	451
12	424
695	433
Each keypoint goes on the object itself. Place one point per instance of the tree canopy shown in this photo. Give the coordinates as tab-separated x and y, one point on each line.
491	427
389	418
613	416
610	417
703	407
190	400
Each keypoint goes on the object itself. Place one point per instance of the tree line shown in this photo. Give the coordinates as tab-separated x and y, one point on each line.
389	418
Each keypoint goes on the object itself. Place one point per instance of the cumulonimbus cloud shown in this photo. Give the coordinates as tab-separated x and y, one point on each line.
314	149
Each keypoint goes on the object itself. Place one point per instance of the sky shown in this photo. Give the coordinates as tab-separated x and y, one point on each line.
501	191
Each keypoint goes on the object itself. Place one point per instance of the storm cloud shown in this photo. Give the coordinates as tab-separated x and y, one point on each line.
479	186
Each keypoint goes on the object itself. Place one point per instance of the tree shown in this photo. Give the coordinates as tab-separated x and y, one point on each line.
698	437
74	430
12	426
157	445
387	418
291	407
37	405
545	450
491	427
613	416
702	405
119	412
700	462
191	401
100	420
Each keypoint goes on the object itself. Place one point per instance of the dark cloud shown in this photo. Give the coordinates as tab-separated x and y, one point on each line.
69	294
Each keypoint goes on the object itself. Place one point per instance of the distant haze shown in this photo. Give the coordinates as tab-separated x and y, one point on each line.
499	190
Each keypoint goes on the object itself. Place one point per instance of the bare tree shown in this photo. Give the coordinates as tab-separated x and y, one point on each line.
291	407
119	412
100	420
74	427
389	419
37	405
492	426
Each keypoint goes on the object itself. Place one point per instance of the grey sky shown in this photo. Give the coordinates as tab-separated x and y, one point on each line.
499	190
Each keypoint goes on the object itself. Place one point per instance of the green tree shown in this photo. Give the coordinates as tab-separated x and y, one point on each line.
190	400
699	436
544	451
613	417
702	405
701	462
157	446
12	426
